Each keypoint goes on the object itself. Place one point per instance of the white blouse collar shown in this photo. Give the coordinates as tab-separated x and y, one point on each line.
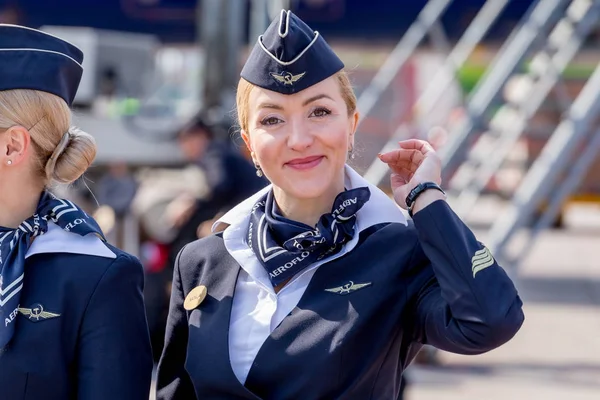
56	240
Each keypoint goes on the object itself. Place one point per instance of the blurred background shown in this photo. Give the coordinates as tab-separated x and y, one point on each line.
514	84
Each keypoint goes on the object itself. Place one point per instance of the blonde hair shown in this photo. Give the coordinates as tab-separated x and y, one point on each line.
63	153
244	88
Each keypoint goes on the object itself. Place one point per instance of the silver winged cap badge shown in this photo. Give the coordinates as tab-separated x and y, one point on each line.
287	78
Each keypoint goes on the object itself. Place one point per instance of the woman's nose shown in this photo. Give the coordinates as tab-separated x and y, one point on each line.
299	137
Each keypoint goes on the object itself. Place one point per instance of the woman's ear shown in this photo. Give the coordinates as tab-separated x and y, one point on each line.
17	142
353	126
246	139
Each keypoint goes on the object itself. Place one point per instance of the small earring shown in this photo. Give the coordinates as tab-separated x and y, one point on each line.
259	172
9	162
351	154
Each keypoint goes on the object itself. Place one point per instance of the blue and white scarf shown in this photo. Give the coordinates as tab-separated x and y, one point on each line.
14	244
285	247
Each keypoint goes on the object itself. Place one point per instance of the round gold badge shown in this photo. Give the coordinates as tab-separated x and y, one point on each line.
195	297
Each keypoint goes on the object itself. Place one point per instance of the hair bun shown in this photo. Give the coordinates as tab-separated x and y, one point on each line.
73	155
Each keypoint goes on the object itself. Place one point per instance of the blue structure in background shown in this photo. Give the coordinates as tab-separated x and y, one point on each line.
174	20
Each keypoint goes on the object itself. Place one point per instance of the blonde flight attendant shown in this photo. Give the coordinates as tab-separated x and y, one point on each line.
319	287
73	323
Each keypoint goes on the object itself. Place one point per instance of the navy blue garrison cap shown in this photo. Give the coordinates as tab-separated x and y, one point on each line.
290	57
32	59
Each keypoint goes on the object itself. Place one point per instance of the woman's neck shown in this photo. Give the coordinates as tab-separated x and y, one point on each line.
306	211
18	205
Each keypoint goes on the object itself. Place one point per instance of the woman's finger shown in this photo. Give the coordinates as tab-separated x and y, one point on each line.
397	156
409	165
415	144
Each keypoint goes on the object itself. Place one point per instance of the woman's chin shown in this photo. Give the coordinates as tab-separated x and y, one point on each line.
307	188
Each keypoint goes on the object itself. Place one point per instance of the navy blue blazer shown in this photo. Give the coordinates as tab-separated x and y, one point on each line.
81	331
430	283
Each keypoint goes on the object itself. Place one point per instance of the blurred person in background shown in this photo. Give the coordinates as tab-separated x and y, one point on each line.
229	175
117	189
73	319
318	287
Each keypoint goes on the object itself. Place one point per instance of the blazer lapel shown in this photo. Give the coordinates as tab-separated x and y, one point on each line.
209	325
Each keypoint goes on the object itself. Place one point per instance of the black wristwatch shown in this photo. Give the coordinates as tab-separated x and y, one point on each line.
416	192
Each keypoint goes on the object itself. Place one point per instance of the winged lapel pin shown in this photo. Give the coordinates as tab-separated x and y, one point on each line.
37	313
287	78
348	288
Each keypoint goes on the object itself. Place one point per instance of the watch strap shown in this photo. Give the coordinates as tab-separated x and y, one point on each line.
417	191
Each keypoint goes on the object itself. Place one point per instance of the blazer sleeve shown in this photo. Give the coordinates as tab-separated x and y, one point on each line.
173	382
115	356
464	301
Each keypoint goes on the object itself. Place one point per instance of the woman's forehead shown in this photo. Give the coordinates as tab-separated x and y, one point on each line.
328	87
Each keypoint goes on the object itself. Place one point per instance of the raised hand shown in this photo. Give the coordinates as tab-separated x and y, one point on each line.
414	162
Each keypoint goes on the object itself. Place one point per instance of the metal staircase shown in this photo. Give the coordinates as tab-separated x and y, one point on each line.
425	23
533	31
536	24
559	159
440	82
510	120
534	58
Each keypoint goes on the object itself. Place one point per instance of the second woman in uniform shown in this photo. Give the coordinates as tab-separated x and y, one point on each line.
73	321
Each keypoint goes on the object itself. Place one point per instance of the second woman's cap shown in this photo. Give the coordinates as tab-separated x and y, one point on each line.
32	59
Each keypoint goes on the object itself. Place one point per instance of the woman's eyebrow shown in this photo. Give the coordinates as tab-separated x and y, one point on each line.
270	105
315	98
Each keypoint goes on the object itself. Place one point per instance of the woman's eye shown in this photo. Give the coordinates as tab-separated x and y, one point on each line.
270	121
321	112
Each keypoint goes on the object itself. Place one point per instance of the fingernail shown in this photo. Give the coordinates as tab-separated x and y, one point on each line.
379	155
